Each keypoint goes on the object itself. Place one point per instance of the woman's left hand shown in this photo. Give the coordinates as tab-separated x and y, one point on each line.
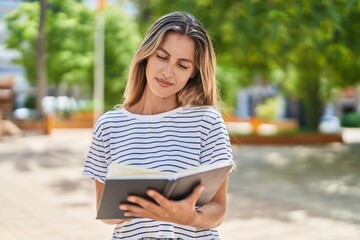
181	212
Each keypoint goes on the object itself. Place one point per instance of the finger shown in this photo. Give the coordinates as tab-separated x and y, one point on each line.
158	198
143	204
196	193
134	212
131	210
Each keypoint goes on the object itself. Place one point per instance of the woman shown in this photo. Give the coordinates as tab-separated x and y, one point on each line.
168	122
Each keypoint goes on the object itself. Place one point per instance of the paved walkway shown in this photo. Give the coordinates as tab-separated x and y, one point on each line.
44	196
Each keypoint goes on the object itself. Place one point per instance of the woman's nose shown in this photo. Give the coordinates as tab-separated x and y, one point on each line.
167	71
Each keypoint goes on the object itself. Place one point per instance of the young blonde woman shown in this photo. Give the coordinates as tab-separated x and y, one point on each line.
167	122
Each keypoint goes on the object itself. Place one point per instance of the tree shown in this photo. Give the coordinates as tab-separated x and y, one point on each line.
321	45
121	40
22	26
314	39
68	53
69	45
40	56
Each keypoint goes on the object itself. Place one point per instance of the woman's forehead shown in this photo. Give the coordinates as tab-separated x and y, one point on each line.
179	46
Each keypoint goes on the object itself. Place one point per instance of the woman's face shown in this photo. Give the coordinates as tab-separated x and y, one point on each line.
170	67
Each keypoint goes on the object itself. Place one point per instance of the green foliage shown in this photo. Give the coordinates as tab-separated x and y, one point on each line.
315	43
121	40
22	28
86	106
69	53
228	85
270	109
350	120
70	28
30	102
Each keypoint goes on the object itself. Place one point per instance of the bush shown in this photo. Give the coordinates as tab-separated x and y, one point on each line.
350	120
30	102
270	109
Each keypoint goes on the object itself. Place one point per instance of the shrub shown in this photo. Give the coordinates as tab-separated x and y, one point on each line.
350	119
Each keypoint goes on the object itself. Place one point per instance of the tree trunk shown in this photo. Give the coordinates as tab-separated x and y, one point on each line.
309	87
313	107
40	57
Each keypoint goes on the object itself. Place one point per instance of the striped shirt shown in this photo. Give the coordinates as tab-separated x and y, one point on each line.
168	142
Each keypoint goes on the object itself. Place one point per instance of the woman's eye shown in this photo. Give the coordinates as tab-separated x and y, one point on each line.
183	67
161	57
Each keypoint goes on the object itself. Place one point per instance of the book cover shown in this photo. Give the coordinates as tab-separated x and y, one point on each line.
124	180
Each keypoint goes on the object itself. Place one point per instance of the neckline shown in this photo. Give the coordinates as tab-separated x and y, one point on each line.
152	116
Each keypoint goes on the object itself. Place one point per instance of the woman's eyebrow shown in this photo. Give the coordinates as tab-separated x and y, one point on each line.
181	59
161	49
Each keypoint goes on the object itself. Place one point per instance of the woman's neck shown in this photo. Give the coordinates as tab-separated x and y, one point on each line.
151	106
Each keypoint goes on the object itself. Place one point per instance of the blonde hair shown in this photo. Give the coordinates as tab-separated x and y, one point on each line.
201	88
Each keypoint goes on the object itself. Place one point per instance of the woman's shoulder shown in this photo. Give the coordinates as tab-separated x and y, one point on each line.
208	111
110	116
114	113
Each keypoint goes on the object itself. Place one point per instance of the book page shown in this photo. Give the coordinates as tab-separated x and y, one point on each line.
122	170
199	169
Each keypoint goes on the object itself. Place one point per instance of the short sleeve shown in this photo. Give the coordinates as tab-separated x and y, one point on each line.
95	165
216	147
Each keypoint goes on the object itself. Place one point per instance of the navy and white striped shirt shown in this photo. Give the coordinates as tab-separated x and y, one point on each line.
169	142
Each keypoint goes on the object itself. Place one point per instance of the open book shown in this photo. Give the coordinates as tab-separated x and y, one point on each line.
124	180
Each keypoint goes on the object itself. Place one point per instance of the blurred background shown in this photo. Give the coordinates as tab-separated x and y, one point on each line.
288	73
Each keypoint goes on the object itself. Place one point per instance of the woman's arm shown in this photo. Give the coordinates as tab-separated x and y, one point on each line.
99	191
212	214
182	212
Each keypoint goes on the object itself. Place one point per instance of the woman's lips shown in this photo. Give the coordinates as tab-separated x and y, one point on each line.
163	83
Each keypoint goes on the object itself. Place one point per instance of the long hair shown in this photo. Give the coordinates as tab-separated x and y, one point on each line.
201	88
